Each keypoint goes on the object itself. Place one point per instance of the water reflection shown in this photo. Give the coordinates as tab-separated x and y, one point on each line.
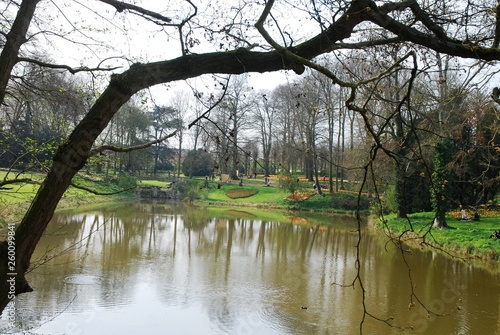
161	269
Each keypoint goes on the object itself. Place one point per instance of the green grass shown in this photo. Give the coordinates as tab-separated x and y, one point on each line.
15	201
158	183
25	192
15	198
468	239
19	193
263	194
254	192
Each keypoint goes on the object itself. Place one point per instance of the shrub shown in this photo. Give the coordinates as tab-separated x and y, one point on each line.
288	181
198	163
348	201
126	181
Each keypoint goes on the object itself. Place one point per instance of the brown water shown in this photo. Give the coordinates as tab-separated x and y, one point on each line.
158	269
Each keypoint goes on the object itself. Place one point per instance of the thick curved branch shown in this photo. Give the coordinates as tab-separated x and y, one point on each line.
367	10
303	61
438	42
424	17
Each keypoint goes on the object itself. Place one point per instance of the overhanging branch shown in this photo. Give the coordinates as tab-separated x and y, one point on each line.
4	183
65	67
101	193
133	148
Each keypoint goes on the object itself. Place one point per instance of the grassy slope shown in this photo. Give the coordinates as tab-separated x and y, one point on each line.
159	183
264	196
15	201
468	239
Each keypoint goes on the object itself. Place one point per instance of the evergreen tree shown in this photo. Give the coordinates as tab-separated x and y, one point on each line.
198	163
440	189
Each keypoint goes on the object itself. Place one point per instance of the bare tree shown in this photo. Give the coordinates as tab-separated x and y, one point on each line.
265	117
182	105
286	134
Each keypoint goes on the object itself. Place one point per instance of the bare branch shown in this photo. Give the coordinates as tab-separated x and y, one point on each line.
210	109
101	193
121	6
182	24
423	17
65	67
129	149
15	181
438	42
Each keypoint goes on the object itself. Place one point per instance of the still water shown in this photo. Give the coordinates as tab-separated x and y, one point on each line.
163	269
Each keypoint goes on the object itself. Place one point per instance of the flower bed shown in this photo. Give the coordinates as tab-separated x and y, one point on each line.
238	193
300	196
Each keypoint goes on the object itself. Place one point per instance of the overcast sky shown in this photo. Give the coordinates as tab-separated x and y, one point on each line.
94	32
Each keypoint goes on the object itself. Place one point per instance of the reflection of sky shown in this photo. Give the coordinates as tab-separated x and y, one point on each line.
144	269
145	315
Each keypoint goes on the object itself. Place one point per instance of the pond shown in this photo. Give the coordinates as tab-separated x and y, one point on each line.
168	269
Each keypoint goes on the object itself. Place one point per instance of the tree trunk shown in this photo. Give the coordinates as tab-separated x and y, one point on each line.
342	150
70	157
316	178
179	155
401	206
331	129
13	42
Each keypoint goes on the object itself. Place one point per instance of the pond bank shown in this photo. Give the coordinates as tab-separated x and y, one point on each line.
467	241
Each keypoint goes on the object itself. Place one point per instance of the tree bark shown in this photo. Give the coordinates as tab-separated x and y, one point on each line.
13	42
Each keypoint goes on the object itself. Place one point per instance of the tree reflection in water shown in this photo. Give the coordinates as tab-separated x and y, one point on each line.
155	267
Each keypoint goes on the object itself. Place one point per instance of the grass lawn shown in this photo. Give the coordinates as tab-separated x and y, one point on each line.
19	193
158	183
268	195
468	239
15	200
